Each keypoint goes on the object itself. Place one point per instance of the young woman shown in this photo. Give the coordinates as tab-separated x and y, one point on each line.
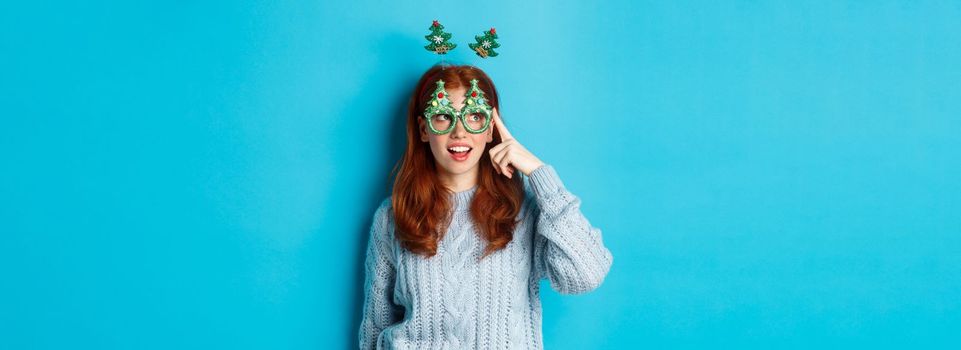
456	254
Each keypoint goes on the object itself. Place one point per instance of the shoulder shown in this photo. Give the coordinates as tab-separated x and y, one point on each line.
385	205
384	212
383	221
381	238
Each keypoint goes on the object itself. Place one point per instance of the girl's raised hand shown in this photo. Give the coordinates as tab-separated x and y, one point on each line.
510	154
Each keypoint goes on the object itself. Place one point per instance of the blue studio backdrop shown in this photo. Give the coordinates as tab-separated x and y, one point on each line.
767	174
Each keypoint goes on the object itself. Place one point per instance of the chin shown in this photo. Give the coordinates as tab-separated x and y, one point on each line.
458	168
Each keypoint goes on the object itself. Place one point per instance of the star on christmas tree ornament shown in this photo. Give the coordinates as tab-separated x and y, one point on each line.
439	40
486	44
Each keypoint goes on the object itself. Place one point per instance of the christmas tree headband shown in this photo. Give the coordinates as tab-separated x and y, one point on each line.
476	114
441	45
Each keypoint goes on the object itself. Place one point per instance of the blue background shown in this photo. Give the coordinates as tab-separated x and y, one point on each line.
766	174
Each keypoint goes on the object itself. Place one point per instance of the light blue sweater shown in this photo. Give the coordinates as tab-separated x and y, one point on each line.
455	301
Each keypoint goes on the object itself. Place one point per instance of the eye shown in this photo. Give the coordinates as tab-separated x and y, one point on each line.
441	117
474	117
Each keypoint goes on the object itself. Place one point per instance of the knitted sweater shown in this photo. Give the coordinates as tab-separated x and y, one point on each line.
455	301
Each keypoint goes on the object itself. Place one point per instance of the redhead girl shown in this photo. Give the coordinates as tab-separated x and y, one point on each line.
456	253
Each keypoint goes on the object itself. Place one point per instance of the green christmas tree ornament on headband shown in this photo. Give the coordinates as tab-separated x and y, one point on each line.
485	45
439	39
442	118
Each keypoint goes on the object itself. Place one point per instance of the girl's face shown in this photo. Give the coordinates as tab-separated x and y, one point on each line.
457	152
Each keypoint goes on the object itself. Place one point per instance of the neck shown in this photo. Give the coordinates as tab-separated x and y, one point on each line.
459	182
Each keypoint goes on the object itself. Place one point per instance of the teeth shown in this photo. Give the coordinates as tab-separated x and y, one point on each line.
459	149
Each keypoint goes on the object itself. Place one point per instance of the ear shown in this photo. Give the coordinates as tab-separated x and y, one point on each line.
423	129
490	135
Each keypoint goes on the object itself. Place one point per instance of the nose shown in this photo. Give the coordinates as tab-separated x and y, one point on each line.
459	130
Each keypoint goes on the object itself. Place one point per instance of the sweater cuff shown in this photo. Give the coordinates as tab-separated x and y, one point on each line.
544	180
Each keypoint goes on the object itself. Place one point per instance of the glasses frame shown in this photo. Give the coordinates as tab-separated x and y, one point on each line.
474	103
460	116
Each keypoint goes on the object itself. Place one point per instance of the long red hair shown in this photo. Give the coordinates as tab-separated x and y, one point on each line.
421	204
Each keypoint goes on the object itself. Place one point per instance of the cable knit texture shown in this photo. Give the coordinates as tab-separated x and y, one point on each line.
454	300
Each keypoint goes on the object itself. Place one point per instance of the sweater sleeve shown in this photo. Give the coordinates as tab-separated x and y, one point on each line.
379	311
568	251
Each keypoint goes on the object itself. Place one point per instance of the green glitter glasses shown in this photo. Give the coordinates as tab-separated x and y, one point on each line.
442	117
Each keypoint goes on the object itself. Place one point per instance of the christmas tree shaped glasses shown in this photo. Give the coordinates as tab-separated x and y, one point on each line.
442	117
